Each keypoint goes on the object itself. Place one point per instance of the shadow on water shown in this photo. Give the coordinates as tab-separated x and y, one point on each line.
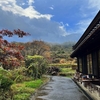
46	88
80	90
42	93
39	99
83	98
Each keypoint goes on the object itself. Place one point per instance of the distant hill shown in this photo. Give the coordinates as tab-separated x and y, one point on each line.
62	39
72	37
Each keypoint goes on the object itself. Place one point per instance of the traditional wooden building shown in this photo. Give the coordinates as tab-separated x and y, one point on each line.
87	49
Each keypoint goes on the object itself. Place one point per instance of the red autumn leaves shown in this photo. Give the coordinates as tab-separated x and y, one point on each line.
10	52
15	32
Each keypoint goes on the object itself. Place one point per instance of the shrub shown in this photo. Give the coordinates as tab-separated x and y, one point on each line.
19	75
22	96
5	82
36	66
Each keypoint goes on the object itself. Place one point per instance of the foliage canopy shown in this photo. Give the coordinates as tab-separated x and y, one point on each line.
10	55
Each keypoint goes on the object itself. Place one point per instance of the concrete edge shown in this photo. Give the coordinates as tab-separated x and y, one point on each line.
85	92
34	95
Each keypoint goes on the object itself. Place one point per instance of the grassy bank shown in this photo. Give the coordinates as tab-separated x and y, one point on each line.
68	72
66	69
26	89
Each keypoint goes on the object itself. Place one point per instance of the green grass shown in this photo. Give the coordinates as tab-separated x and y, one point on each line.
60	65
23	91
67	72
22	96
34	84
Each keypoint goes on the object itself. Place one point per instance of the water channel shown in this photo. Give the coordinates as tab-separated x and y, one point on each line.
60	88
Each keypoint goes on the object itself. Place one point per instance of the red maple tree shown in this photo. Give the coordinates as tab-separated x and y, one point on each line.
10	55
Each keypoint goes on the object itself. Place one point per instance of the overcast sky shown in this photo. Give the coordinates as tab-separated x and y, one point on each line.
47	20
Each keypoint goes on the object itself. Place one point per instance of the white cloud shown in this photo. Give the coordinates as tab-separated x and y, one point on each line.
83	25
67	24
30	2
42	28
63	29
39	25
94	4
80	27
11	6
51	8
63	33
23	3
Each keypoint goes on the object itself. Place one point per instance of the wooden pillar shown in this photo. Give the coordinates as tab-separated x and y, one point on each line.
78	63
95	63
84	64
